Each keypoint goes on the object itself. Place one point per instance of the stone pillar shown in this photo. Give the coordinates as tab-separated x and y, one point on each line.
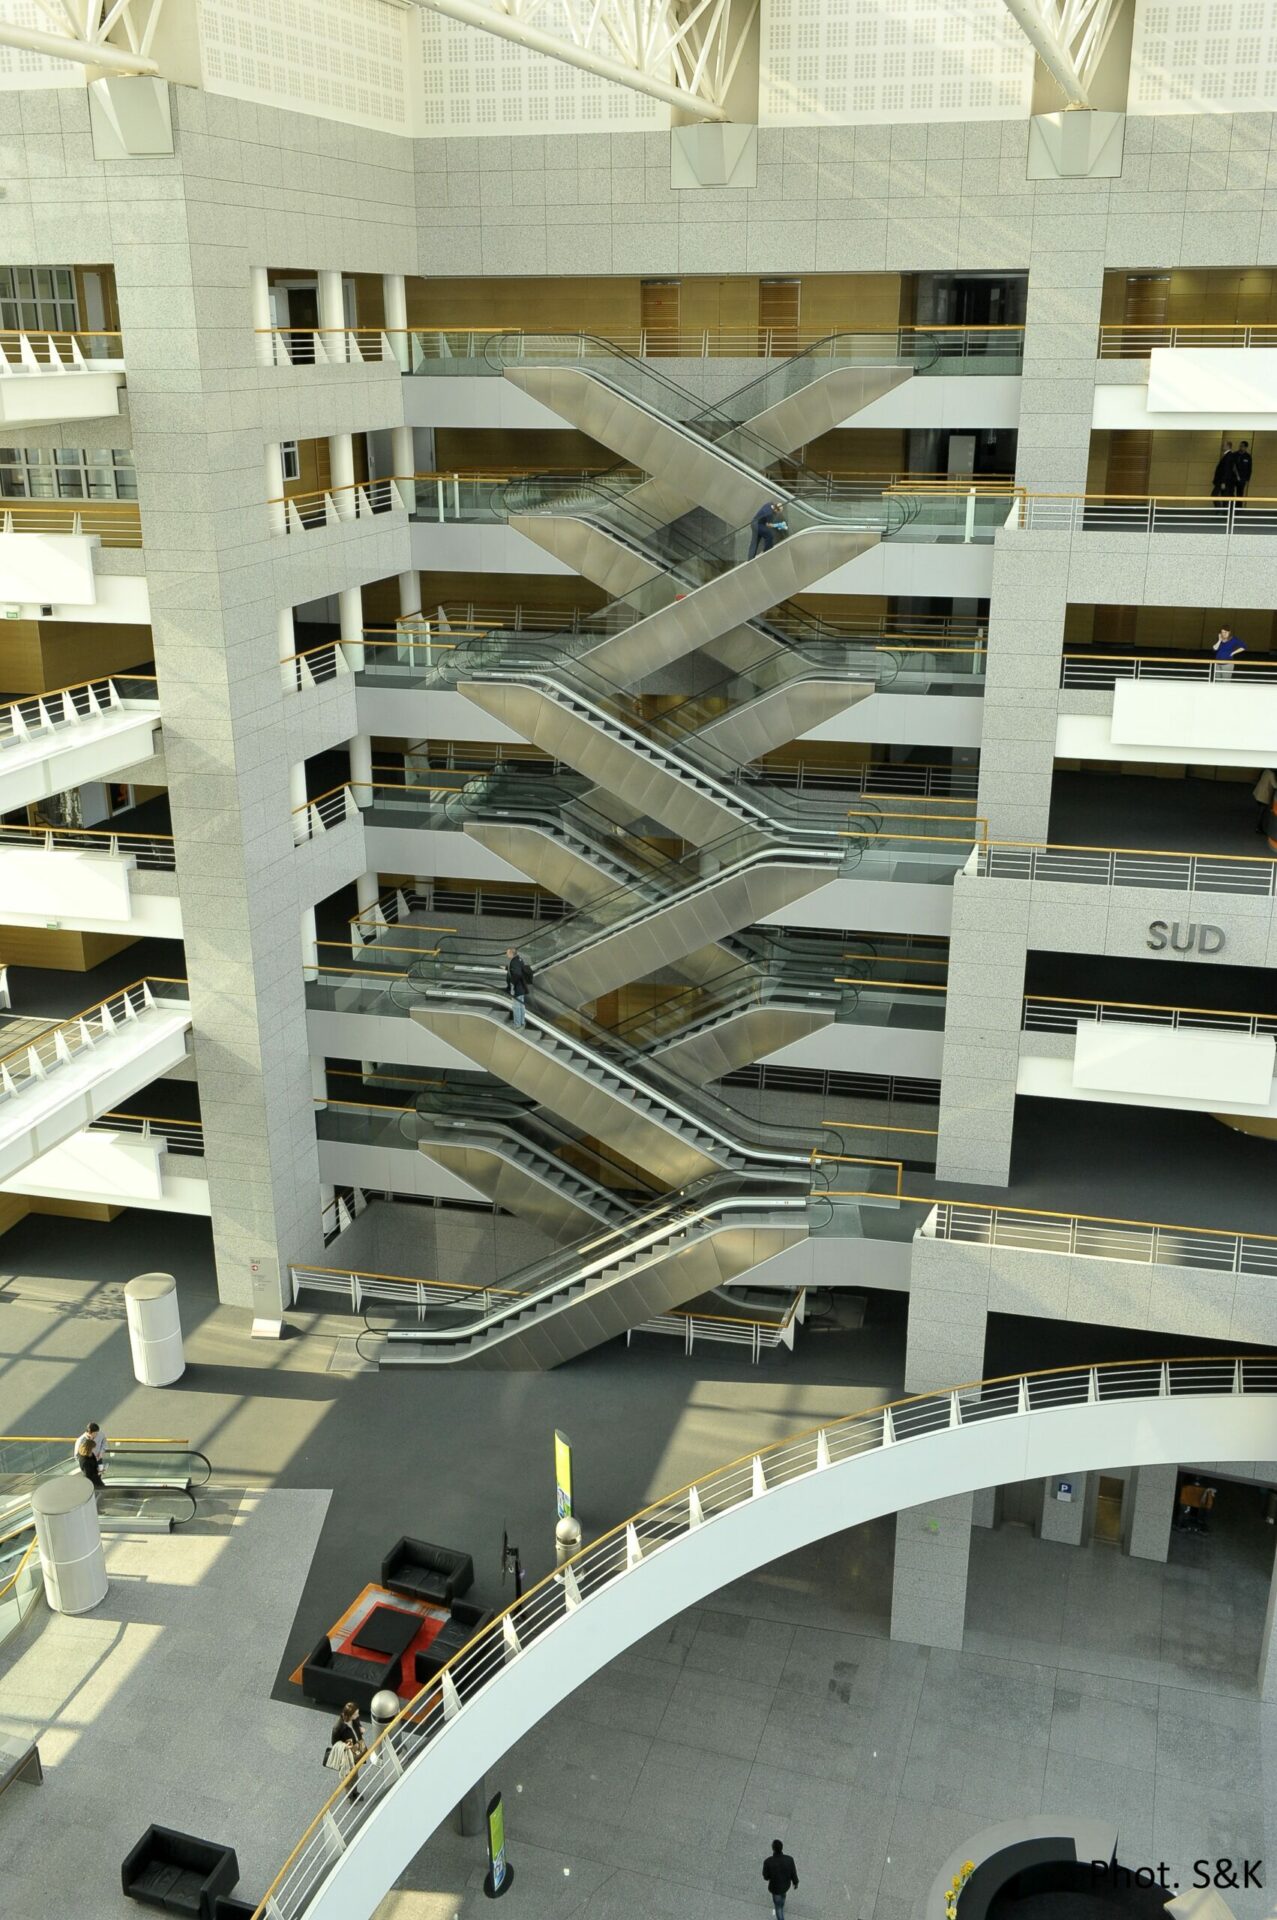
394	295
350	612
332	316
71	1557
259	286
929	1579
341	464
1268	1645
361	768
405	465
469	1816
155	1329
367	891
948	1307
409	595
310	944
276	508
1151	1511
983	1009
297	795
1064	1520
984	1507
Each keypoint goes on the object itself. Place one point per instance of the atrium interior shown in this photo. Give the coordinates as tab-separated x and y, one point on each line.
638	1030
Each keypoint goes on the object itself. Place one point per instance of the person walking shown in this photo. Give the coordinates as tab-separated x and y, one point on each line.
347	1747
1227	649
87	1461
97	1439
1243	467
1224	476
781	1874
518	981
762	528
1264	794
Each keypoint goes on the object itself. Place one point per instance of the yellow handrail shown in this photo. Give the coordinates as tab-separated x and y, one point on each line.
1140	1006
16	1575
1163	853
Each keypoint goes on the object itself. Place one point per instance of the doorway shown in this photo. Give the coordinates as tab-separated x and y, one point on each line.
659	304
1108	1511
778	305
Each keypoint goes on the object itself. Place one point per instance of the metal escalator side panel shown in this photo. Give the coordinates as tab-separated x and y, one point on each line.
661	448
561	1216
824	404
742	1038
588	550
563	1085
647	786
782	715
741	594
682	925
545	860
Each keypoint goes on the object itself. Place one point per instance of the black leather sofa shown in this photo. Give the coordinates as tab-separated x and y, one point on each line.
434	1574
465	1621
332	1679
178	1873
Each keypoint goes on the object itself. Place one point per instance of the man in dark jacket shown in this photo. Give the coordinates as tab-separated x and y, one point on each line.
762	528
518	979
781	1874
1243	467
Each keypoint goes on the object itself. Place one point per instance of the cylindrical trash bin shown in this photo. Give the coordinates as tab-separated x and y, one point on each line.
567	1539
155	1329
71	1557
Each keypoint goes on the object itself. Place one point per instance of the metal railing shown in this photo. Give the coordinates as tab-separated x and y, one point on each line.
471	616
1172	513
29	1065
1049	1013
153	851
334	506
1104	670
431	345
1136	341
37	350
728	1329
117	523
40	714
420	1297
1149	867
1145	1242
323	812
181	1137
329	346
21	1584
741	1484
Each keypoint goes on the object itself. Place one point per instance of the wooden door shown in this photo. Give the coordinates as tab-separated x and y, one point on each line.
659	315
778	305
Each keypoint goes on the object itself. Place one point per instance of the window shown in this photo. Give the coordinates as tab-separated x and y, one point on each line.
67	473
38	299
290	460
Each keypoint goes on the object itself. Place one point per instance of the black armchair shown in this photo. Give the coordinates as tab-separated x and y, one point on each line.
466	1620
332	1679
178	1873
433	1574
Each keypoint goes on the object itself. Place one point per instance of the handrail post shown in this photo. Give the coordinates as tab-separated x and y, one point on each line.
822	1450
955	1409
888	1428
1022	1396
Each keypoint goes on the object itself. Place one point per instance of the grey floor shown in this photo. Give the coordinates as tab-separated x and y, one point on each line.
1137	810
1089	1682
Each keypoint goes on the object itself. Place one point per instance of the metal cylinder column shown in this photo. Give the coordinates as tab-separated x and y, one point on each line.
155	1329
71	1557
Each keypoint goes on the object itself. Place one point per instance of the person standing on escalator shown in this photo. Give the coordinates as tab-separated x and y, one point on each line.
518	984
764	525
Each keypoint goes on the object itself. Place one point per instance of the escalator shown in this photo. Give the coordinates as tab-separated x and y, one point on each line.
149	1486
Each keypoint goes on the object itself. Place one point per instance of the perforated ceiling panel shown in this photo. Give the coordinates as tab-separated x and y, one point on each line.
1193	56
18	68
475	83
883	60
347	59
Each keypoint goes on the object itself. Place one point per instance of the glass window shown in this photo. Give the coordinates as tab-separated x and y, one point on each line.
290	460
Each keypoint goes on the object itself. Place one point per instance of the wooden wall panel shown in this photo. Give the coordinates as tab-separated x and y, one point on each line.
60	949
507	450
612	306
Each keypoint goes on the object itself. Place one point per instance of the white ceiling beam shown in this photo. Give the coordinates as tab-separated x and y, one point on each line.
508	25
1051	49
88	53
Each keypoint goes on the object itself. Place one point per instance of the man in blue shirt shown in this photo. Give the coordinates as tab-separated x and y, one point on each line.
1226	649
763	527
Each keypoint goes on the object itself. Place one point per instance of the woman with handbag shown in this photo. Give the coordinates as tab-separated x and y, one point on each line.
347	1747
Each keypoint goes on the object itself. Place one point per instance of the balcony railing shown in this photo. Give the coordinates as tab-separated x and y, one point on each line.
181	1137
1173	513
323	812
1136	342
1094	1237
329	346
922	629
1044	1013
1149	867
432	348
34	350
25	1066
1103	670
333	506
150	850
40	715
117	523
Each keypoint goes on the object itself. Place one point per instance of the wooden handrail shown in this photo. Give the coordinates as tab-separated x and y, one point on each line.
1142	1006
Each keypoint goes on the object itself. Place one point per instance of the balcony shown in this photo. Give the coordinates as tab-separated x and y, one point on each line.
48	548
124	1159
1168	708
299	513
53	741
92	879
48	379
1193	1059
